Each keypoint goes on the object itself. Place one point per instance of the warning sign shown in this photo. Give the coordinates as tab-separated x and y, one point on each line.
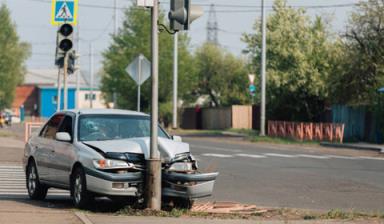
64	11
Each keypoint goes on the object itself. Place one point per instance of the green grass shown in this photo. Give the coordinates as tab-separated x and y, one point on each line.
271	214
4	133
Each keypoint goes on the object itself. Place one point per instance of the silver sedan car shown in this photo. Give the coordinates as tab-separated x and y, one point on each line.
103	153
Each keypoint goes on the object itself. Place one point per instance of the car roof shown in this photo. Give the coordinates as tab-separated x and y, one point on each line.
105	111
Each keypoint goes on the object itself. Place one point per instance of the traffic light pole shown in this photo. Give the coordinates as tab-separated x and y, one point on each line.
263	75
65	98
58	100
175	79
153	191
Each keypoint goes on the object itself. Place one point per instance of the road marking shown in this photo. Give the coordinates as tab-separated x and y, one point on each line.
313	156
216	148
250	156
342	157
12	183
372	158
217	155
280	155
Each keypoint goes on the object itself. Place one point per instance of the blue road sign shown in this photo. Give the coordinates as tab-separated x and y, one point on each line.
64	11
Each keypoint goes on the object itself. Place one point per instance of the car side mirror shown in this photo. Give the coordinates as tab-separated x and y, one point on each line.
177	138
63	137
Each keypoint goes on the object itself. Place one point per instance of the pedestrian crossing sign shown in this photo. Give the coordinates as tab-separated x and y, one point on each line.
64	11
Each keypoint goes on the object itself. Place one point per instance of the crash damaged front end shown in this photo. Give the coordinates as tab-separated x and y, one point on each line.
181	178
123	171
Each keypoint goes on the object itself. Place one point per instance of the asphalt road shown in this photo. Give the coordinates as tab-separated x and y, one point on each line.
277	177
265	175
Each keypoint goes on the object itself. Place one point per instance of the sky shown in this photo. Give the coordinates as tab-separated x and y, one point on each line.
234	17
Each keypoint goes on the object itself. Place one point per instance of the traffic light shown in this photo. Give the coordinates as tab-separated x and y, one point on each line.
72	62
64	43
182	14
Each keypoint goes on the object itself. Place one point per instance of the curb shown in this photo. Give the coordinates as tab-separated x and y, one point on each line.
355	147
83	218
233	134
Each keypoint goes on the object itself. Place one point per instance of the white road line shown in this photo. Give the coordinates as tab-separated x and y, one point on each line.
342	157
217	155
280	155
215	148
313	156
250	156
371	158
12	183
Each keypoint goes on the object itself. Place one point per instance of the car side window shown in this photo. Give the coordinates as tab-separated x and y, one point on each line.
66	125
52	126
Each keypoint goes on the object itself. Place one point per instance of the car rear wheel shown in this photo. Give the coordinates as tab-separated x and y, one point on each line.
80	196
36	190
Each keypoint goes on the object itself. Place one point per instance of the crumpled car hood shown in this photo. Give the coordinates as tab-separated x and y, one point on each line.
168	148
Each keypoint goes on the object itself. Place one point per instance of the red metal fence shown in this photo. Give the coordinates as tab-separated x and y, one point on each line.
307	131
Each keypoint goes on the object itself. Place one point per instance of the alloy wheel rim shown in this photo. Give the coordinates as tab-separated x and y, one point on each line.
77	189
32	180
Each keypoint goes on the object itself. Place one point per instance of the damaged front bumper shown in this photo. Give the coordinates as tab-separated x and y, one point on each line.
187	185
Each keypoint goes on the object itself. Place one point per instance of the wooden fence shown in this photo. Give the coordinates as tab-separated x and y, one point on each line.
307	131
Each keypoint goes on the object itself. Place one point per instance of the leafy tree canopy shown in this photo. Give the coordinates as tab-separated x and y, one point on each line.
13	54
299	62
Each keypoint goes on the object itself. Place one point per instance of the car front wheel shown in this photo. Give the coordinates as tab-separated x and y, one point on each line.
80	196
36	190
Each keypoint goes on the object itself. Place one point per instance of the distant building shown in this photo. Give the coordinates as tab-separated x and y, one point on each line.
38	93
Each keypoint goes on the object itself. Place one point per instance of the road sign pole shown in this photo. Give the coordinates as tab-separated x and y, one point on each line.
263	75
65	81
153	194
78	69
139	85
58	100
175	79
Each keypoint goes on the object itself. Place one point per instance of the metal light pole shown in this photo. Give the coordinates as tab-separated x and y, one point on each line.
263	75
116	21
78	73
153	194
65	101
91	75
58	100
175	79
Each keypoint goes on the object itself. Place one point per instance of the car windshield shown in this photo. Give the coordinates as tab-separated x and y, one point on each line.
110	127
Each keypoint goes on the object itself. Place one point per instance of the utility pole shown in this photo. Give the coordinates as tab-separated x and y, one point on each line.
263	75
175	79
58	101
65	101
78	73
153	194
114	94
91	75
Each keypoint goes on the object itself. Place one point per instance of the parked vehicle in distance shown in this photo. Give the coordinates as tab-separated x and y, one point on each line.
103	153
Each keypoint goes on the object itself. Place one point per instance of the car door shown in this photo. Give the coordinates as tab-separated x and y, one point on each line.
45	148
64	153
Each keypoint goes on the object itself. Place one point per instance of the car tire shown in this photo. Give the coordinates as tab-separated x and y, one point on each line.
80	196
36	190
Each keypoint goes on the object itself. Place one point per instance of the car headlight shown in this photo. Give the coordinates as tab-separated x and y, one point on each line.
106	164
181	167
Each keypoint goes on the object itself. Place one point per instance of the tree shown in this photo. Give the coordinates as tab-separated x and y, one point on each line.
132	39
221	76
361	70
299	62
13	54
